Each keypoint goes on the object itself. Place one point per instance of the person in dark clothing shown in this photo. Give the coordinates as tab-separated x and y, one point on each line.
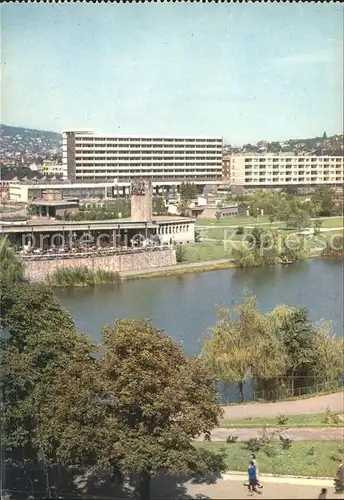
252	478
323	494
254	460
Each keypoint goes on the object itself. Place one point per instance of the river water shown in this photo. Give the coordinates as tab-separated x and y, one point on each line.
185	306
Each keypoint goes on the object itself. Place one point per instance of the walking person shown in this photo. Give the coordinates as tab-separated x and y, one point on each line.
323	494
254	460
252	478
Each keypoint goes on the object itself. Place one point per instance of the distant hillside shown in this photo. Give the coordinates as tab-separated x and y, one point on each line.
9	131
332	145
21	146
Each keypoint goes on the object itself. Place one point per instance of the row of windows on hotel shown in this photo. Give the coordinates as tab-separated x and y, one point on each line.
89	138
145	149
155	168
155	158
173	229
298	168
214	172
301	159
294	179
95	176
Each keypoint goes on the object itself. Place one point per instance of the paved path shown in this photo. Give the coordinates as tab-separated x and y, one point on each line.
316	404
278	488
167	269
296	434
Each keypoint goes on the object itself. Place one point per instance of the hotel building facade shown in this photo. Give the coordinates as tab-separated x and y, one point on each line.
254	171
88	157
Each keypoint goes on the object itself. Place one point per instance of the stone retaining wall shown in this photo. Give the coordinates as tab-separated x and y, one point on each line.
40	270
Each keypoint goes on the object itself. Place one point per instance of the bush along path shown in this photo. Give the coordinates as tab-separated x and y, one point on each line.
296	434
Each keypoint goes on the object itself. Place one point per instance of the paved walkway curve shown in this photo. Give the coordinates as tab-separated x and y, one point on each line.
316	404
296	434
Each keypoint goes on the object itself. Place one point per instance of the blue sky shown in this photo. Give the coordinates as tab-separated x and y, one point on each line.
246	72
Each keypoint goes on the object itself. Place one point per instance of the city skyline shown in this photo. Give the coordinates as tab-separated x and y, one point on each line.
244	72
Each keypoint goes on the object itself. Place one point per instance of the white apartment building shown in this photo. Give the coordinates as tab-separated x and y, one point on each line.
52	168
88	157
285	169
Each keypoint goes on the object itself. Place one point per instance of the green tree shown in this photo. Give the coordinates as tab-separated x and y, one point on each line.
272	218
11	266
188	192
254	210
39	340
323	201
229	352
159	402
290	191
298	219
297	336
159	205
317	226
328	355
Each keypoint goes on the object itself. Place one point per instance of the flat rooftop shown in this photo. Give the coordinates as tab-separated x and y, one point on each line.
57	203
58	225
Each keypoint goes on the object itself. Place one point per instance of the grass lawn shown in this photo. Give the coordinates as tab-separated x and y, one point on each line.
303	458
239	220
311	420
333	222
205	251
245	220
220	232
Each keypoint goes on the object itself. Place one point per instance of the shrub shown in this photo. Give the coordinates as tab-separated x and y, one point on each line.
232	439
271	448
335	418
82	276
254	444
327	415
335	457
282	419
180	253
240	230
285	442
104	276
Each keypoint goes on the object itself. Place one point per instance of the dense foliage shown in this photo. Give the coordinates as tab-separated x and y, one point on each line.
262	247
294	210
82	276
188	192
54	382
281	351
103	211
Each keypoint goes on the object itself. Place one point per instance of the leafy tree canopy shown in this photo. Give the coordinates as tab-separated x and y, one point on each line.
159	401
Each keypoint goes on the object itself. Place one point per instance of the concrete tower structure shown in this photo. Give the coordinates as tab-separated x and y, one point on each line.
141	201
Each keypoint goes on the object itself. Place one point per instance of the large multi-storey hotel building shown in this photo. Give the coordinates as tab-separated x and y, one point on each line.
88	157
284	169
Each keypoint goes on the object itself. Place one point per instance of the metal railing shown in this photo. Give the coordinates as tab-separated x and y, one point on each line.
288	393
99	252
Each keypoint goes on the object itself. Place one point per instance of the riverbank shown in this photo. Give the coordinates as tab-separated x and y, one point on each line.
199	267
178	269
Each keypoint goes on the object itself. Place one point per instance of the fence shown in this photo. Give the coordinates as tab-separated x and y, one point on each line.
300	391
98	252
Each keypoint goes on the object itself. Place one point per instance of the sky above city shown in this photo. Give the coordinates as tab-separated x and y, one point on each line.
246	72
